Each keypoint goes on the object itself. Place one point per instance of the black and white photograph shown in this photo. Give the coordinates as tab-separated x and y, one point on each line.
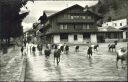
63	40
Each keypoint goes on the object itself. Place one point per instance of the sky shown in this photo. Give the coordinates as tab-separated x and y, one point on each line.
36	9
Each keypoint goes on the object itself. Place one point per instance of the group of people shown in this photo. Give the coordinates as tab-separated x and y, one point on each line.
26	47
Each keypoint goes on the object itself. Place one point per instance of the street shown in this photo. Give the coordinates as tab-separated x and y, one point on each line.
76	66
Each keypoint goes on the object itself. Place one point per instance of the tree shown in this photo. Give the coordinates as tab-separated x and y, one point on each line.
43	18
10	18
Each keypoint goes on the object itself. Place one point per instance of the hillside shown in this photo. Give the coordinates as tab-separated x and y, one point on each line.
112	9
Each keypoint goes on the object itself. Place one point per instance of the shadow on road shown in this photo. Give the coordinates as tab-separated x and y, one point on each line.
58	71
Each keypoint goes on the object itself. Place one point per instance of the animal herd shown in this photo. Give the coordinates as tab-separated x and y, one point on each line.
121	54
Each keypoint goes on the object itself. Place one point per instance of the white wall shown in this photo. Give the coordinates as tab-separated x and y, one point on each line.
117	22
124	35
70	38
93	38
80	37
56	38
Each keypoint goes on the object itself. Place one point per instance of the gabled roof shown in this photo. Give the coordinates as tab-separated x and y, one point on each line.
76	5
50	12
108	29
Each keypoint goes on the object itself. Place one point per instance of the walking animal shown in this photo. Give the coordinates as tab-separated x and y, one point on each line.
62	48
95	46
57	54
66	49
122	55
89	52
77	48
112	46
47	52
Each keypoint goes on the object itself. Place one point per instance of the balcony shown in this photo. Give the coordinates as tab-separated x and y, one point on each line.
53	31
75	21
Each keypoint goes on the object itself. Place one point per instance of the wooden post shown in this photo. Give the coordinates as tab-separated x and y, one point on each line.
127	48
127	55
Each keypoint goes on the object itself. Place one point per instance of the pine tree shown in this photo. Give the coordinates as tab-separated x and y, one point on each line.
10	19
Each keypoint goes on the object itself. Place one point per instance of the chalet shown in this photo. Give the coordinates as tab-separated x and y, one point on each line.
74	24
117	23
121	24
109	34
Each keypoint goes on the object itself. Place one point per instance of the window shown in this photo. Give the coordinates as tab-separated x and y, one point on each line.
88	26
74	26
89	17
108	35
126	34
83	17
68	16
86	36
63	26
75	37
75	17
115	24
120	24
65	15
84	26
78	26
72	17
63	36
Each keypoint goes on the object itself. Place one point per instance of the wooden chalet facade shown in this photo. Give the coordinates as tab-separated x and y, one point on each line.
109	34
74	24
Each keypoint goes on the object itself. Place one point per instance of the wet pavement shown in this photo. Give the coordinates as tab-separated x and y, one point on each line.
76	66
11	65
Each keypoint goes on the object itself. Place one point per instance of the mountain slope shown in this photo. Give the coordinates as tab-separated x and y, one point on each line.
112	9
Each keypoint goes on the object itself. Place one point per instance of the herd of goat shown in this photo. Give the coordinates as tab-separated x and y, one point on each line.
121	54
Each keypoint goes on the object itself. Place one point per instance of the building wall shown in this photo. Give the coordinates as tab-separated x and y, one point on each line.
93	38
70	38
67	16
124	35
80	37
56	39
116	23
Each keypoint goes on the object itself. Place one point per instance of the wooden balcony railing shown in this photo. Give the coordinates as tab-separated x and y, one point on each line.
75	21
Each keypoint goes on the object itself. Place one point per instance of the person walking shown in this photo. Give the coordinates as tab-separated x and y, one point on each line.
22	50
33	49
67	49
